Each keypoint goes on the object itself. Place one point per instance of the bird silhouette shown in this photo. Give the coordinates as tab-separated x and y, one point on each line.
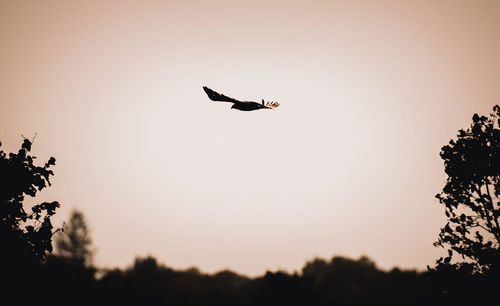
237	104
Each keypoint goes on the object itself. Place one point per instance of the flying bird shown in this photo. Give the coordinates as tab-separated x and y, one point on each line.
237	104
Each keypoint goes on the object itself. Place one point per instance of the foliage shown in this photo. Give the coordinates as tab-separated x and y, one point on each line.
471	197
74	242
26	236
340	281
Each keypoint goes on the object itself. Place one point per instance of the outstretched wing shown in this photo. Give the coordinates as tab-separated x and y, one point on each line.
215	96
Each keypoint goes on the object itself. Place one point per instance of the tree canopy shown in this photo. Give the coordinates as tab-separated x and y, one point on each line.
471	196
26	232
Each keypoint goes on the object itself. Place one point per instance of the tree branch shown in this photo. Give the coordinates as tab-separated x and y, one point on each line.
483	212
478	225
496	230
484	206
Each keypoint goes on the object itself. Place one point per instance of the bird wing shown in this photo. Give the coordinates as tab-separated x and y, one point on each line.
271	105
215	96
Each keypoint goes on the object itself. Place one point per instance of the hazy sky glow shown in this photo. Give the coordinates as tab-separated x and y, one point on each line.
347	165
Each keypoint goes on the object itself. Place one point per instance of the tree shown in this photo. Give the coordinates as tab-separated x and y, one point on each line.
26	236
74	242
471	197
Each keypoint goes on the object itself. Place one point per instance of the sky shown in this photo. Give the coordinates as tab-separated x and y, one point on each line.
347	165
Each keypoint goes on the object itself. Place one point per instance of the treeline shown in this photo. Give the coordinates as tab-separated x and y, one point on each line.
339	281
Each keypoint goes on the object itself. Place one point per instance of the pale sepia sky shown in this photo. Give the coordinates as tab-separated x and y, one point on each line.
347	165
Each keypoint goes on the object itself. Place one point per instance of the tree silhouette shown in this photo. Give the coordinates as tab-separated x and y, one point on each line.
74	243
26	236
471	196
70	269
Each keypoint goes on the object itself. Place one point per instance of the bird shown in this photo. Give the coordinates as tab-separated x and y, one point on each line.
240	105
